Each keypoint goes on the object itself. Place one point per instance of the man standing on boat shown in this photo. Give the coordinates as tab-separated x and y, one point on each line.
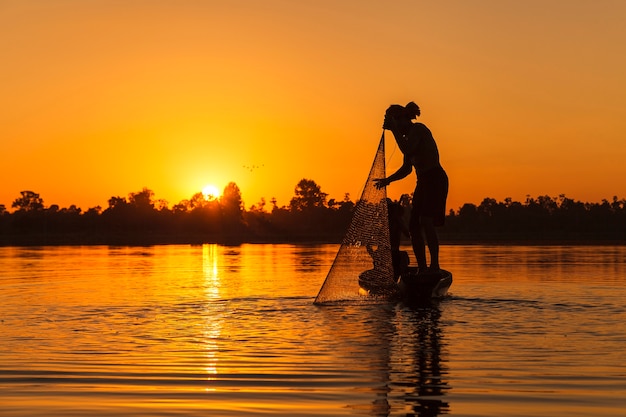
429	199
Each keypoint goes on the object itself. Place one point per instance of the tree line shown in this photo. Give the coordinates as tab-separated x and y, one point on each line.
140	218
310	216
541	219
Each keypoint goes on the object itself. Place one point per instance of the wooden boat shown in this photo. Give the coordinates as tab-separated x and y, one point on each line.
419	287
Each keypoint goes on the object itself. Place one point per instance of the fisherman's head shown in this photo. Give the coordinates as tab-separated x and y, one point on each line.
397	112
402	113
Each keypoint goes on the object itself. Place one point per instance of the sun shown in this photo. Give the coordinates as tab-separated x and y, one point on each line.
210	192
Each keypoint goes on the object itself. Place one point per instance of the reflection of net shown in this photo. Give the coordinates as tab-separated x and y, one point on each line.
363	265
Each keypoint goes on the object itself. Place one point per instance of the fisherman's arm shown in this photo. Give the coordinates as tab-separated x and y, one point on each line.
402	172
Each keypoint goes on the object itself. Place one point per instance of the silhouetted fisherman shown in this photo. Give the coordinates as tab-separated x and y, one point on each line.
429	199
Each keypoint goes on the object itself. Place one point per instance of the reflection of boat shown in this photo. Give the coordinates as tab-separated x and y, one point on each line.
423	385
408	359
416	287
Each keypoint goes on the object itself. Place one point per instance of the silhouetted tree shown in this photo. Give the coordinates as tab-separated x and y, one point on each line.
29	201
258	207
231	202
181	208
468	210
203	217
198	201
308	195
117	202
142	200
336	218
93	212
232	208
274	203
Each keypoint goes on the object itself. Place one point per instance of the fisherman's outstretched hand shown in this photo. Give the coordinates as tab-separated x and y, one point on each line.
381	183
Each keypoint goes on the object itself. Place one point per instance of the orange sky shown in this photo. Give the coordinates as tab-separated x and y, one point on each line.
102	98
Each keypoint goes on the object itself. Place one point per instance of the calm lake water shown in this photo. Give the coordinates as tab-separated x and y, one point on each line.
232	331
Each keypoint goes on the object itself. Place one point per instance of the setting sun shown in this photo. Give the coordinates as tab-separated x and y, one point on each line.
210	192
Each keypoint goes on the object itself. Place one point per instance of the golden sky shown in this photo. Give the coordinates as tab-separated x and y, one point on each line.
101	98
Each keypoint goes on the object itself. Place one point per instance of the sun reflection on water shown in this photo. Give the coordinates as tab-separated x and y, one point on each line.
212	329
210	269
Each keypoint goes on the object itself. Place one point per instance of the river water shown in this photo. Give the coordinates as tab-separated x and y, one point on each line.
232	331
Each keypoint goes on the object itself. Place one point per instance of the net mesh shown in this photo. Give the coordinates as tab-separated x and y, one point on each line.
363	266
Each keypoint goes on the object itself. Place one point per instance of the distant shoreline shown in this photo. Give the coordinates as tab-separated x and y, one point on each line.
140	220
156	239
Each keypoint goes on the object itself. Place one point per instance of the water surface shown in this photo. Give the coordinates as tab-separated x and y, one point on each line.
232	331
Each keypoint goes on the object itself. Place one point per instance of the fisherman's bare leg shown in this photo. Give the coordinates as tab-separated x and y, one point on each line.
417	241
428	225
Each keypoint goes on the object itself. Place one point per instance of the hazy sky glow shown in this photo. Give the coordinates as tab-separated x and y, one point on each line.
102	98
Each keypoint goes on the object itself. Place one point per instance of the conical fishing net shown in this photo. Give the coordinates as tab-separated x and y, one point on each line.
363	266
